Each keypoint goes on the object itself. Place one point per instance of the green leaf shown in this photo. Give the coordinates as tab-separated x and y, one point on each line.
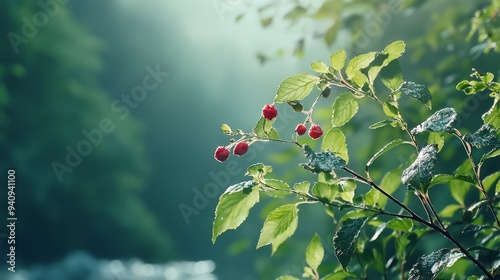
258	170
492	117
226	129
315	252
287	277
441	121
384	149
417	91
419	174
356	64
490	154
391	110
296	87
264	129
302	187
490	180
449	210
345	239
344	108
483	137
331	33
445	178
234	206
400	224
392	76
347	188
380	124
296	106
281	188
322	162
459	188
296	13
325	192
436	138
337	59
279	225
335	141
372	197
429	266
391	52
390	183
342	275
319	67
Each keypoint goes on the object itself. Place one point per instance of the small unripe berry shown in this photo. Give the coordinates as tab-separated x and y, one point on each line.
241	148
269	112
315	131
221	153
301	129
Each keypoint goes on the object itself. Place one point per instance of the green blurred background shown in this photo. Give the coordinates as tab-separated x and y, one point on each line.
147	186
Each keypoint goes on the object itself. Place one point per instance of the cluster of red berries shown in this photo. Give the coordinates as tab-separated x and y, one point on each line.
315	131
222	153
269	112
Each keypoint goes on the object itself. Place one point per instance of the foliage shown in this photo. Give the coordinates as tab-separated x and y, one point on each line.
371	237
50	92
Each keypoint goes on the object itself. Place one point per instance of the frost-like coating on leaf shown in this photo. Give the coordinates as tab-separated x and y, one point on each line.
441	121
429	266
484	137
322	162
417	91
419	174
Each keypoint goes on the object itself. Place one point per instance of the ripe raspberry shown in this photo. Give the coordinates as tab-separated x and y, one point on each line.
315	131
221	153
269	112
240	149
301	129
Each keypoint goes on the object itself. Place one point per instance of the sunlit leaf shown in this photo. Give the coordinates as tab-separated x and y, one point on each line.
302	187
335	141
492	117
234	206
296	87
347	188
436	138
390	183
226	129
419	174
279	225
319	67
345	239
337	59
325	192
400	224
264	129
356	64
344	108
277	188
429	266
315	252
449	210
392	76
441	121
341	275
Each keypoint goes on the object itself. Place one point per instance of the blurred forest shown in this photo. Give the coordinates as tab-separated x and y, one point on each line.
61	76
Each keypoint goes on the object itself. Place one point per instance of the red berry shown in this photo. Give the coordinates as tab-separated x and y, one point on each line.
269	112
315	131
221	153
241	148
301	129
